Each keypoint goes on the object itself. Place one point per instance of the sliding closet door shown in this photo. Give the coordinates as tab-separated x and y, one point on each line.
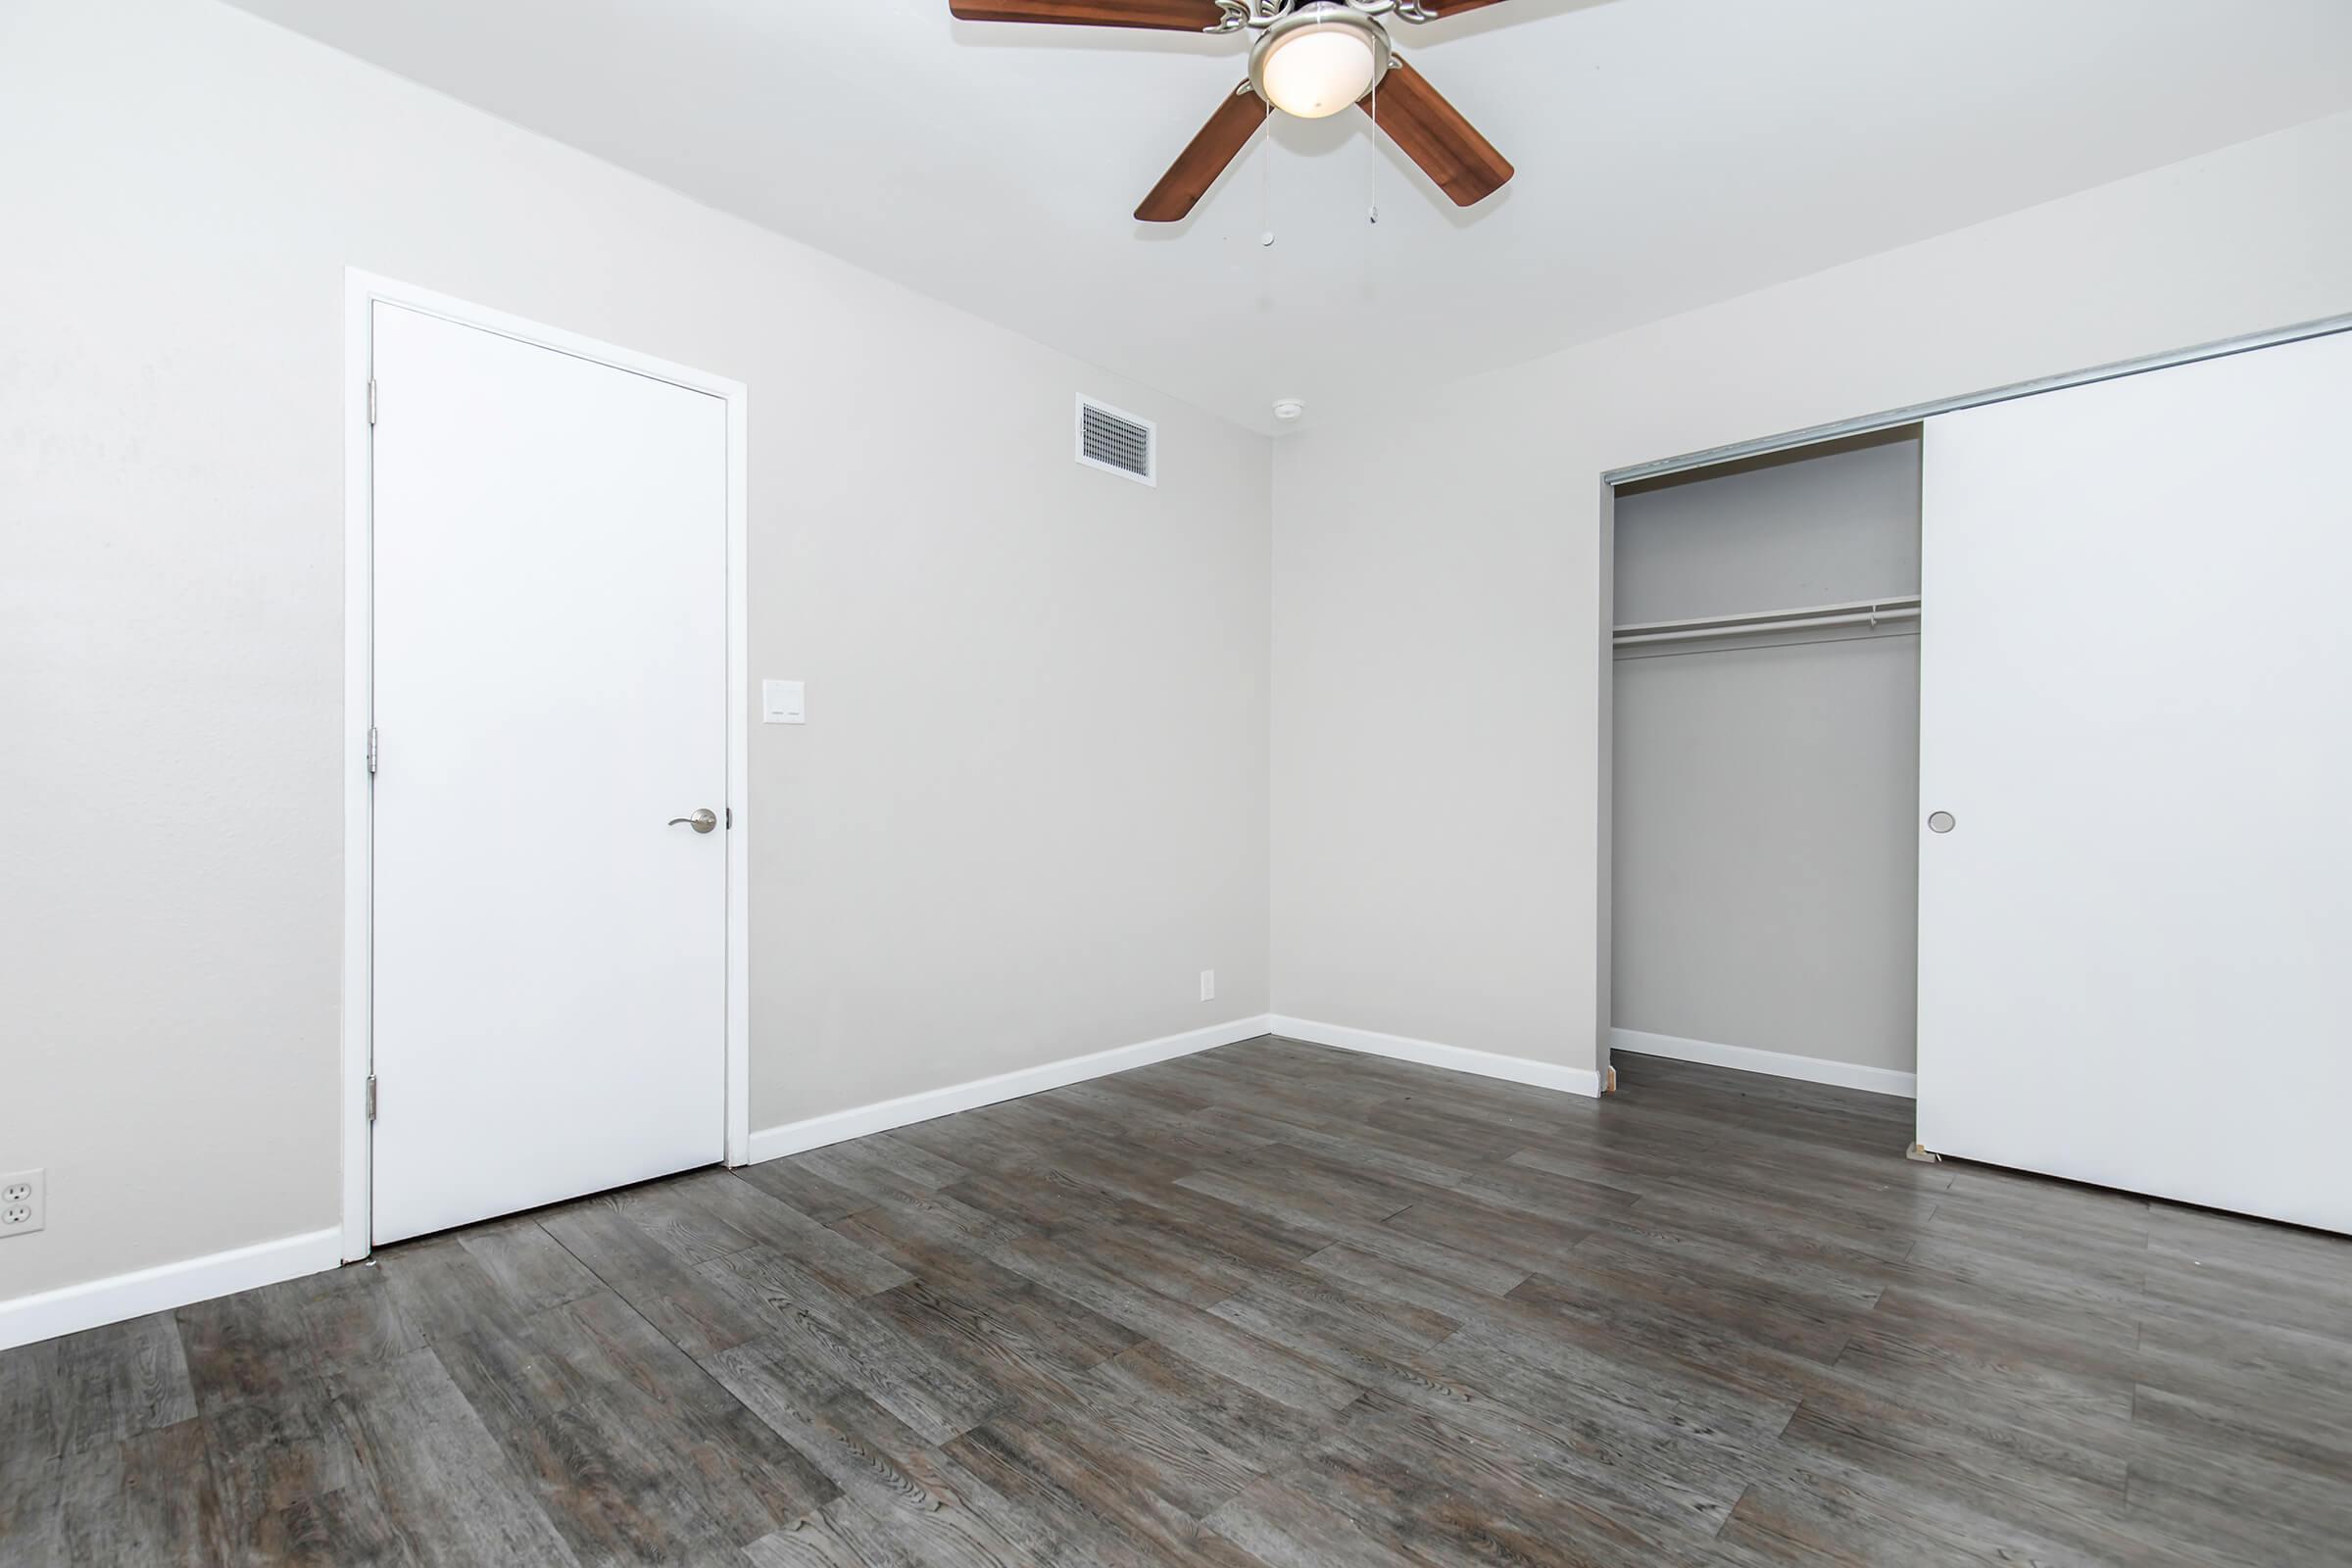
2135	938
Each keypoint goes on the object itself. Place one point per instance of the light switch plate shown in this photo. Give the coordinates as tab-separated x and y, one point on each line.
782	702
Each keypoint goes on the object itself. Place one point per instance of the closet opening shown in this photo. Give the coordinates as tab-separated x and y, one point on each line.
1764	720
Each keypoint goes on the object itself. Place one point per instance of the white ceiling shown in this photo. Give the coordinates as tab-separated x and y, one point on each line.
1670	153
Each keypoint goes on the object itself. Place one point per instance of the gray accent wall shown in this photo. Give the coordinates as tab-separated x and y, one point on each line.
1836	524
1765	861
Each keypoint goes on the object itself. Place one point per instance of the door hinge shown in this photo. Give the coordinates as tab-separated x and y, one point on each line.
372	752
372	1097
371	399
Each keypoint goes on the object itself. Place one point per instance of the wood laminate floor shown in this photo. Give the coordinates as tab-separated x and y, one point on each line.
1269	1304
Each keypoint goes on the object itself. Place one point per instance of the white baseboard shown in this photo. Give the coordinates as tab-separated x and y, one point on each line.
795	1137
1430	1054
1778	1063
70	1308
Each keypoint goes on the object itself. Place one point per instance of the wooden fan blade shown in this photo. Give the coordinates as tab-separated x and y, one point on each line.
1433	134
1452	7
1197	168
1176	16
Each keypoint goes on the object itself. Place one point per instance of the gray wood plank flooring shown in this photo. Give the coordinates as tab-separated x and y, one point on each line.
1271	1305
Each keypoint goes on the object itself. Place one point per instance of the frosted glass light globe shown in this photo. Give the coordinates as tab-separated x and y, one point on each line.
1317	71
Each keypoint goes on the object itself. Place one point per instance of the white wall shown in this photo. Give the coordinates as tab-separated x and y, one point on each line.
1028	808
1438	652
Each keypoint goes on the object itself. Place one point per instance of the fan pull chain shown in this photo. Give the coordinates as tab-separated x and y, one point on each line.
1265	186
1269	349
1375	146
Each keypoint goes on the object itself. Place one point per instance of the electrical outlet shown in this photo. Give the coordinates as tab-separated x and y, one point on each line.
21	1208
1209	985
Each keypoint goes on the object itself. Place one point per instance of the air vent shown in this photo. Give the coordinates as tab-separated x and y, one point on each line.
1117	443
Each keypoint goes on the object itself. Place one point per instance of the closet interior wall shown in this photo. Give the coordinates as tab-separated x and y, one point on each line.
1765	784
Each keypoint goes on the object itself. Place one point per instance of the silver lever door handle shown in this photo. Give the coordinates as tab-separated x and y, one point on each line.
702	821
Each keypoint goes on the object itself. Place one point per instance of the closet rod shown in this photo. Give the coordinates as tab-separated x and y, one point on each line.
1858	613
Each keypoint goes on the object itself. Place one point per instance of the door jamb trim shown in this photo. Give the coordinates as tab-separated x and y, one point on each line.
362	291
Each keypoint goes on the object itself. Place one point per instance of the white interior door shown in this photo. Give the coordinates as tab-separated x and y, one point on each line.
549	959
2136	693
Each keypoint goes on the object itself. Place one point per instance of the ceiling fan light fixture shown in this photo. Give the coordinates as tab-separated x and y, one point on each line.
1311	58
1318	61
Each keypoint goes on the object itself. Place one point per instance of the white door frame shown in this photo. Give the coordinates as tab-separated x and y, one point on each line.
360	293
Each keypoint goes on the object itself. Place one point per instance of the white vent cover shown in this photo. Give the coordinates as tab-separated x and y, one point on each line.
1117	442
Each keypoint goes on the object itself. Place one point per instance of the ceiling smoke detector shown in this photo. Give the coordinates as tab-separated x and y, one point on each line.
1287	409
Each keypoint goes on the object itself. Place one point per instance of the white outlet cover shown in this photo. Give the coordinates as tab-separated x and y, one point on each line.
23	1205
1209	985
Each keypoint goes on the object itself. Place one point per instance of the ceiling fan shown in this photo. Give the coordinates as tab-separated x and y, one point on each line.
1311	58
